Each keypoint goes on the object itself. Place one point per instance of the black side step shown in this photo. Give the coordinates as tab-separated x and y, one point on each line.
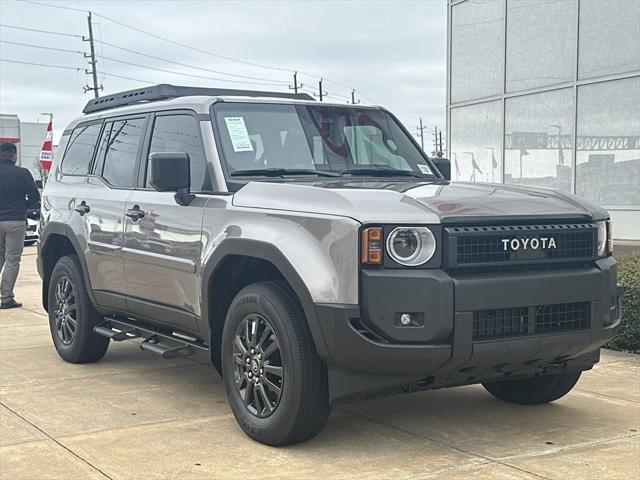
151	338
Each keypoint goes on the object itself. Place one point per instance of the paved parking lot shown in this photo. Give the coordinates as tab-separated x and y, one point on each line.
134	415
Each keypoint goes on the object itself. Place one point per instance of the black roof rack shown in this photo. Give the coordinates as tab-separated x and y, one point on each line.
165	91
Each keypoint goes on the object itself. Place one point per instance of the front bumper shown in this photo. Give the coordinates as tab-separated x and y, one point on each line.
366	340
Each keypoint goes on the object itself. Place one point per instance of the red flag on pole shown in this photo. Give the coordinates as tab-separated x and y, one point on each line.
46	155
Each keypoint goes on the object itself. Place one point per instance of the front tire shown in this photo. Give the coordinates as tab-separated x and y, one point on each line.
534	390
72	317
275	382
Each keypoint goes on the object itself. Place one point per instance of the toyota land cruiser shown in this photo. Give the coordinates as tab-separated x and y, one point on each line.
314	251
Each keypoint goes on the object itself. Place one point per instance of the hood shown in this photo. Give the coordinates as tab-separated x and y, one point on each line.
417	202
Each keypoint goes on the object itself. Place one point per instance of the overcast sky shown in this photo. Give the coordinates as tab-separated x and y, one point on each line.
392	52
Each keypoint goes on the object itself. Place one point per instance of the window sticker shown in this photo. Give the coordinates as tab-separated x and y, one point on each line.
238	134
424	169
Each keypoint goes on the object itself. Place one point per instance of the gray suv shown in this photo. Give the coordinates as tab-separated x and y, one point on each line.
315	252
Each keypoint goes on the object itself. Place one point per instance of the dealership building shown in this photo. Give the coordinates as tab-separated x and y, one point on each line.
28	138
547	93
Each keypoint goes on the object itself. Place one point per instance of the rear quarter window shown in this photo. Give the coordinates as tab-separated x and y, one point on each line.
80	149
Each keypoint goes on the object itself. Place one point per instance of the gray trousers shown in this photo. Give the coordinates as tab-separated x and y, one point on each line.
11	245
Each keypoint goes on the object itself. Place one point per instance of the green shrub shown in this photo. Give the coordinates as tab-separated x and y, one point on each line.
629	335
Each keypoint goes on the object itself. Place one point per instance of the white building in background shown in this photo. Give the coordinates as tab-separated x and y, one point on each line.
547	93
28	137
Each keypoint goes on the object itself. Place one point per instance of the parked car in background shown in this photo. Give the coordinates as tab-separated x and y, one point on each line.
31	234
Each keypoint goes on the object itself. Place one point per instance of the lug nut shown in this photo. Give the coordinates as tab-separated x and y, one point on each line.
250	375
253	350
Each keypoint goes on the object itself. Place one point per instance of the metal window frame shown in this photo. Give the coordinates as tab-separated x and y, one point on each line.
503	96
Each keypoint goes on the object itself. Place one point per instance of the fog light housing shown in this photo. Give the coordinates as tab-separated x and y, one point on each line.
408	319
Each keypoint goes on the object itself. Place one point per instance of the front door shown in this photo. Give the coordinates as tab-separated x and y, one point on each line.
163	240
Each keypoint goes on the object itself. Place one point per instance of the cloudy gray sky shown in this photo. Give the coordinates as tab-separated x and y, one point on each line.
392	52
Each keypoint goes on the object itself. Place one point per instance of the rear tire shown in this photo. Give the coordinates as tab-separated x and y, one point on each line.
534	390
72	317
262	317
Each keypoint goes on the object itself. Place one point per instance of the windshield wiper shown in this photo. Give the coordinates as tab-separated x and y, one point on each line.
280	172
380	172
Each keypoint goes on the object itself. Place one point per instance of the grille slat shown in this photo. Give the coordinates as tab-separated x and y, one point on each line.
514	244
521	321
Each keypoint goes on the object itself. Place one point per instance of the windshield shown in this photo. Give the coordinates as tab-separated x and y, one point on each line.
317	140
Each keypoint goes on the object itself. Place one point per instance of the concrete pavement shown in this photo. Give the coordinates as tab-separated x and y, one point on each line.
134	415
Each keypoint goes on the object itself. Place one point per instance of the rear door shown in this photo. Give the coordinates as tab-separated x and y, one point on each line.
163	240
114	174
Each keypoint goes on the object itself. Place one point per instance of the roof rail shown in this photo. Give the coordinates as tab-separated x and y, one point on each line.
165	91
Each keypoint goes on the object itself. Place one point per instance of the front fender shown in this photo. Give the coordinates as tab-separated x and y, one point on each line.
317	256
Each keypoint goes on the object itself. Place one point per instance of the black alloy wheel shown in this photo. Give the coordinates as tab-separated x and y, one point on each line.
65	310
258	373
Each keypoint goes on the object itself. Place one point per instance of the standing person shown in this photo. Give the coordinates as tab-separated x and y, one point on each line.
18	192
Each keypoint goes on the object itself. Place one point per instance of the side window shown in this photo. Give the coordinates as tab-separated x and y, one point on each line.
121	152
181	133
79	154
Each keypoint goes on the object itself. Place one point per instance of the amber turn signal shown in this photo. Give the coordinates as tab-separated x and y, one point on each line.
371	248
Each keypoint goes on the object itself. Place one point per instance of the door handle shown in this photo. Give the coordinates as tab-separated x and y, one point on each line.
82	208
135	213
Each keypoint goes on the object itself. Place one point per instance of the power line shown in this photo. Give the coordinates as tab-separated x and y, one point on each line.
205	52
107	74
64	67
40	31
187	65
174	72
41	47
55	6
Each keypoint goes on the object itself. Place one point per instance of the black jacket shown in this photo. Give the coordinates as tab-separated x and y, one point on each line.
18	192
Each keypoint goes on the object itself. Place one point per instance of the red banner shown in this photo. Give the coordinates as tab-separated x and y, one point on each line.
46	155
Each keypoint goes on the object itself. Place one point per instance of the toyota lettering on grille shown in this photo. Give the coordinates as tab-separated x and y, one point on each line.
515	244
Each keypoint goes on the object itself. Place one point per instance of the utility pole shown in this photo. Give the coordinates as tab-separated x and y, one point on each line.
440	137
421	128
295	86
353	98
92	62
321	93
435	140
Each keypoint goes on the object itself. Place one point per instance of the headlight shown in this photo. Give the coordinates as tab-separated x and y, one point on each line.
603	240
411	246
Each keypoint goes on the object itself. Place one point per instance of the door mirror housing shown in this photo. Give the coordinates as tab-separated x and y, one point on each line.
443	165
171	172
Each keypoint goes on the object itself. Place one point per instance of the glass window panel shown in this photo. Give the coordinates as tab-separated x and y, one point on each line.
181	133
122	152
608	150
541	43
609	37
538	139
477	49
475	142
80	149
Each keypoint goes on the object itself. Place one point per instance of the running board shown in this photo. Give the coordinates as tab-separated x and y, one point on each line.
151	338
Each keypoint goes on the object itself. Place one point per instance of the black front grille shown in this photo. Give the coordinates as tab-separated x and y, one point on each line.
520	244
520	321
561	317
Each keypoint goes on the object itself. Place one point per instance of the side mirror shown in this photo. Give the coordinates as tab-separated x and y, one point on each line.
443	165
171	172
